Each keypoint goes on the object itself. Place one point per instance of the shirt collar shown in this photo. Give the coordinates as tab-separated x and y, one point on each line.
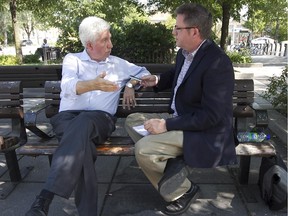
85	57
189	56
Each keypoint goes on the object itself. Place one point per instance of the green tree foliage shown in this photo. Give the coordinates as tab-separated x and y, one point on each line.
27	22
268	18
61	13
276	91
67	15
5	23
221	10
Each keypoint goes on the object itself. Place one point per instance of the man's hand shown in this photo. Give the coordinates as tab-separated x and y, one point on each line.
99	83
105	85
128	98
149	81
155	126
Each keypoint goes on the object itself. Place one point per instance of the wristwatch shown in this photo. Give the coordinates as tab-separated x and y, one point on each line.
129	85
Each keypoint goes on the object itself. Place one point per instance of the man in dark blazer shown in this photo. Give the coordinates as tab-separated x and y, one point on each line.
197	132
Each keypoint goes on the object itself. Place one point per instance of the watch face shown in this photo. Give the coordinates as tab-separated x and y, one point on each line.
129	85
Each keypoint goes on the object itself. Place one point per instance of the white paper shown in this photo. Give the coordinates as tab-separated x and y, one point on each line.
141	130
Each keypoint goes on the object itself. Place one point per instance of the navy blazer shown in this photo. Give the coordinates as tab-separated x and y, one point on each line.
204	105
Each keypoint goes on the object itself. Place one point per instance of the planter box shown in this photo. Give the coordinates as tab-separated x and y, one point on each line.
248	64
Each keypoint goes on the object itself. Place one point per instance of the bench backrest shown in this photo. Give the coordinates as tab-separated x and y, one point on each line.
11	99
11	107
149	101
33	76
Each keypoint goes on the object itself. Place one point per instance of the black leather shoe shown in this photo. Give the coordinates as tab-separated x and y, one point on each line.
182	204
40	207
175	173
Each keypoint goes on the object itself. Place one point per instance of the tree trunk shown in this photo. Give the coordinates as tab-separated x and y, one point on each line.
16	30
226	7
276	33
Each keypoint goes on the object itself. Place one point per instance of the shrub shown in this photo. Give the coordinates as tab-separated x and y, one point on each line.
31	59
276	92
9	60
241	56
143	42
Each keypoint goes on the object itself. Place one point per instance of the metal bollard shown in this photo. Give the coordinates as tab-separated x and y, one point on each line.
45	55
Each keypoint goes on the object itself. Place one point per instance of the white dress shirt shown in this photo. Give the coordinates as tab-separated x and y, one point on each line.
79	67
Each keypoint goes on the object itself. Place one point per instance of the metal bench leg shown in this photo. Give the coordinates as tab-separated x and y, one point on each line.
13	167
14	172
50	157
244	169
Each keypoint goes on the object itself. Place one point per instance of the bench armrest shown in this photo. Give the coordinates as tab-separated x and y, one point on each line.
262	119
244	113
31	123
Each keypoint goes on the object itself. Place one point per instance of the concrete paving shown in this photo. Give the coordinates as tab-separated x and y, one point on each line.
125	191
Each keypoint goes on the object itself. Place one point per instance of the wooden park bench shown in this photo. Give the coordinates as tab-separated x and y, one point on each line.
44	142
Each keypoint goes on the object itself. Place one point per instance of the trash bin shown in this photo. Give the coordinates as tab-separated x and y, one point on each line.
52	53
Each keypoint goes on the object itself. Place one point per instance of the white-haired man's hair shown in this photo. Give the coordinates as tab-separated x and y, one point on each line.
90	29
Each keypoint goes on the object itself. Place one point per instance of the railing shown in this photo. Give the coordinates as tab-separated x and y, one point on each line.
276	49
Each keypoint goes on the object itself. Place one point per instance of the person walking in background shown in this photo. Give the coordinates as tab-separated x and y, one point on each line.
90	89
197	132
45	47
45	43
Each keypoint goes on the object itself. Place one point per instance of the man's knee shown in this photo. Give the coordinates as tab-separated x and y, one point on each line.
130	119
143	146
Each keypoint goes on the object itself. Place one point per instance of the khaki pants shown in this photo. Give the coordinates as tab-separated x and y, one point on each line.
153	151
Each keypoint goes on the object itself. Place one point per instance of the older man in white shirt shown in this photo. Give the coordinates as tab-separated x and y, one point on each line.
90	89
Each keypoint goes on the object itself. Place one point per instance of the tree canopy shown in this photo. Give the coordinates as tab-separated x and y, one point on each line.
264	17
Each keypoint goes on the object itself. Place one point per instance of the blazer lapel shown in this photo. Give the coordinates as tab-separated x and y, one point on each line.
197	58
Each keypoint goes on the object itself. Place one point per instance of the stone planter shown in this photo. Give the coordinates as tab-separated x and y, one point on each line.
247	64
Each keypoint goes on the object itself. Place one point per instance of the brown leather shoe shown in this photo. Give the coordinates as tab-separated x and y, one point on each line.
182	204
40	207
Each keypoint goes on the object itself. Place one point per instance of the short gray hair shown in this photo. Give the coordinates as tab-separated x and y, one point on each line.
90	29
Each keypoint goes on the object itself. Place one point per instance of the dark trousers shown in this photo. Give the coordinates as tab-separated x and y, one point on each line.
73	163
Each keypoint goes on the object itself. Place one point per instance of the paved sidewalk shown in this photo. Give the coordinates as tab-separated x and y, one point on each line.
125	191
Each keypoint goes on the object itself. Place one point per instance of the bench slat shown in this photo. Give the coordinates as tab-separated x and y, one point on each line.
113	146
8	97
244	85
10	103
262	149
31	76
125	146
10	87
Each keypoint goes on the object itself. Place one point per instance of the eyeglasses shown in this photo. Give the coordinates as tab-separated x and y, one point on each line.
178	29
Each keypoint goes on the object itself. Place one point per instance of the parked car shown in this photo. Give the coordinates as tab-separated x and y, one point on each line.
26	42
262	40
